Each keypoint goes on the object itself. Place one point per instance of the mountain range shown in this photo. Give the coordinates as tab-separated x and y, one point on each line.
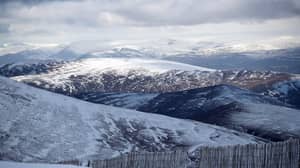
163	101
134	75
211	55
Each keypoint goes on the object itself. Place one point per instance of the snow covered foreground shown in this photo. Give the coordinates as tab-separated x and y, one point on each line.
37	125
5	164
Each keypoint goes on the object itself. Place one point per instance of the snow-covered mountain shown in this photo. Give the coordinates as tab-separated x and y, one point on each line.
26	57
37	125
280	60
230	107
213	55
18	69
222	105
286	91
141	75
39	55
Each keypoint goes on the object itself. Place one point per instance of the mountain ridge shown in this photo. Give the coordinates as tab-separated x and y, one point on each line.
152	76
223	105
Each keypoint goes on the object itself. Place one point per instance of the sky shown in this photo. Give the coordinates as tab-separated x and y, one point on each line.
67	21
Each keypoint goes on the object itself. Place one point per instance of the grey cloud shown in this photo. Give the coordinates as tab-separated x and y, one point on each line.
180	12
31	2
68	18
149	12
4	28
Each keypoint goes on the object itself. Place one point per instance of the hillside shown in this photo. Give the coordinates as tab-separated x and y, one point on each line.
286	91
231	107
37	125
222	105
138	75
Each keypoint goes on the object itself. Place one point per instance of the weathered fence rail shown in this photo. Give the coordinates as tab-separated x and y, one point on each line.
270	155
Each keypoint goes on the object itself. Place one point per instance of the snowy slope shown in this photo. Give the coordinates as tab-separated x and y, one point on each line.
114	74
287	92
6	164
222	105
17	69
39	55
37	125
140	75
125	100
280	60
27	56
125	64
230	107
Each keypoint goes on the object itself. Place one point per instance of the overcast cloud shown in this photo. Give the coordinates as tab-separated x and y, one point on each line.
69	20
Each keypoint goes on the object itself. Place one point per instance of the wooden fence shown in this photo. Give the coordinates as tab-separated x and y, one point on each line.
177	159
270	155
273	155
